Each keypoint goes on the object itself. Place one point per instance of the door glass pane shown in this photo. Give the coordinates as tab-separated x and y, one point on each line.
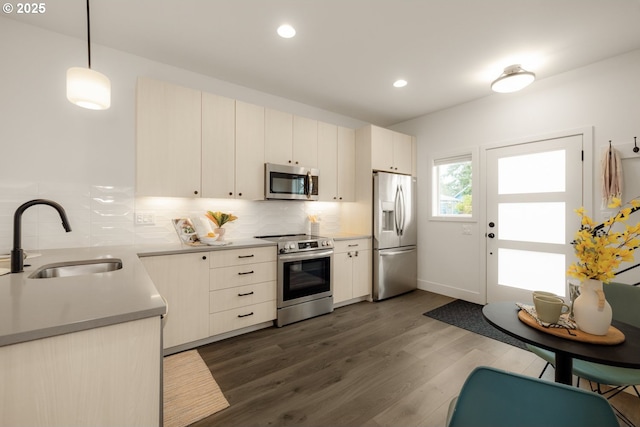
532	173
533	271
532	222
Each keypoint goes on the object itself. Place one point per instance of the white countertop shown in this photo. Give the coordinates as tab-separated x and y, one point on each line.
32	309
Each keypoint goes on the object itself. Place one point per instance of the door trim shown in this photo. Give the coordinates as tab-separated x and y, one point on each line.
587	184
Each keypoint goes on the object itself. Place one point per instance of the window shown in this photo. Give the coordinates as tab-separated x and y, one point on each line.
452	186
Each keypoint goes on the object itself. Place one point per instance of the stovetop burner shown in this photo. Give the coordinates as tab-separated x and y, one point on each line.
289	243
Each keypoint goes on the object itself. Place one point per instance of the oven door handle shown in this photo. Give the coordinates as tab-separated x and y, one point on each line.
305	255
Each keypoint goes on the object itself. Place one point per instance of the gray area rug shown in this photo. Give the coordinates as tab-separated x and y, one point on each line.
467	315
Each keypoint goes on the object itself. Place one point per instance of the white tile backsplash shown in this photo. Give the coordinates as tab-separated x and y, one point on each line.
102	215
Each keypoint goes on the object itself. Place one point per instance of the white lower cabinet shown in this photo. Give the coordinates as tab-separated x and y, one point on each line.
108	376
183	281
352	270
242	285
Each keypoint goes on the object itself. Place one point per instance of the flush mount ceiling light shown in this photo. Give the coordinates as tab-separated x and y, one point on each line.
286	31
85	87
513	79
400	83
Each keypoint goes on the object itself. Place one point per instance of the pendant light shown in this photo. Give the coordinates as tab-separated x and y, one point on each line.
88	88
513	79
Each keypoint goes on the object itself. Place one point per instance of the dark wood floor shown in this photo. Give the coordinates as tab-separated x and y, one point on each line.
367	364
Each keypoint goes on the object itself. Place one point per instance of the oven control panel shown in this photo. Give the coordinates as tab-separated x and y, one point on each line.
306	245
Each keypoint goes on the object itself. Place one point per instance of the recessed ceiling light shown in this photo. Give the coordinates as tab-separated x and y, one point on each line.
286	31
400	83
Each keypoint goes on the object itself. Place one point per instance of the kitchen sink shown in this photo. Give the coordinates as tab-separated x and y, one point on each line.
77	268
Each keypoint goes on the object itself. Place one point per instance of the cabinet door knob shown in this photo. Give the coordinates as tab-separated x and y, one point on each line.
195	192
240	194
230	193
204	257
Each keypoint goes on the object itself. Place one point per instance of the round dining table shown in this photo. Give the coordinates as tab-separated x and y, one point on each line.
504	317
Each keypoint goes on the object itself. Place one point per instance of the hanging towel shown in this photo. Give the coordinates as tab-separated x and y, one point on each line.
611	176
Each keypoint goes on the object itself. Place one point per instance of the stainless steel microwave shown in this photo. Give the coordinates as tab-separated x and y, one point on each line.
284	182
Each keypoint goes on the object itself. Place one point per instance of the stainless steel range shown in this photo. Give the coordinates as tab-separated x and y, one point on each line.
305	276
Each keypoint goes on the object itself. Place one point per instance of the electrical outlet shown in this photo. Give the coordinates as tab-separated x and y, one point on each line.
145	218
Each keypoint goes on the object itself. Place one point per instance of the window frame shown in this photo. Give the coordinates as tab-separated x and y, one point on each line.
444	158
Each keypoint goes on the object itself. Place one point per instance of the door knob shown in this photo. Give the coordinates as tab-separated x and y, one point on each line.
491	235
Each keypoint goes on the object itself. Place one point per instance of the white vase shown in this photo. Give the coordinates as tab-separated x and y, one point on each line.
591	310
220	233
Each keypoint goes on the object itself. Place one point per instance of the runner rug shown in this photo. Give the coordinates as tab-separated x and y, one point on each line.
467	315
190	392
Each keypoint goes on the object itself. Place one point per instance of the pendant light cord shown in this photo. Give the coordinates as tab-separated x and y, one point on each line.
88	35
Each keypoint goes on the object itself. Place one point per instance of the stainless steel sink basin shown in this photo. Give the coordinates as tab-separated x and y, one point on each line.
77	268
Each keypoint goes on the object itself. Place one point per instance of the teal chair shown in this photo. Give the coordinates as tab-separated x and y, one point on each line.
625	302
494	398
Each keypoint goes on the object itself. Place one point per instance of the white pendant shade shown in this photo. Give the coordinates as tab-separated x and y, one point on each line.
513	79
88	88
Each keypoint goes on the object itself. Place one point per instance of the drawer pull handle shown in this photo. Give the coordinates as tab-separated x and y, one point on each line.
353	246
246	272
245	315
246	256
244	295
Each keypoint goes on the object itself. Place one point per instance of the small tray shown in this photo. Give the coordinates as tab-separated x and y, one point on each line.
613	336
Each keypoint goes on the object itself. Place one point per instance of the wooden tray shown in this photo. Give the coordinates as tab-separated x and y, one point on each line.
613	336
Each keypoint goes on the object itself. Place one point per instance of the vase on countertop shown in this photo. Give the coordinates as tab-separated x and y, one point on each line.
591	310
220	233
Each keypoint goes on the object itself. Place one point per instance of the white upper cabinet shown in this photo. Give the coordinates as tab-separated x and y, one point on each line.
250	153
168	134
390	151
346	164
305	142
218	146
336	161
278	137
402	153
290	140
328	161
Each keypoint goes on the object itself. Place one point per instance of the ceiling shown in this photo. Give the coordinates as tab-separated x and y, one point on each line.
347	53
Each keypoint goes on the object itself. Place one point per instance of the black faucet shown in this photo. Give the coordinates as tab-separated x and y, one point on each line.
17	255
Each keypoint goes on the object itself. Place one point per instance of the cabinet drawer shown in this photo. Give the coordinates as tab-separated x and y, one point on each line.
352	245
230	320
226	258
240	275
232	298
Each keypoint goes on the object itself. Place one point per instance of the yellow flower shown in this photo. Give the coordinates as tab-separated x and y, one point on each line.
219	218
599	249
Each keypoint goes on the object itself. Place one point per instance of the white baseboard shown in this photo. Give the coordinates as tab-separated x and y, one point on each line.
452	292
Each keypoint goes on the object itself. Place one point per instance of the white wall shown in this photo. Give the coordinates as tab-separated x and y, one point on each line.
605	95
85	159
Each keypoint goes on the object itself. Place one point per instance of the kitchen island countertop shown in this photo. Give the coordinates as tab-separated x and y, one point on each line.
32	309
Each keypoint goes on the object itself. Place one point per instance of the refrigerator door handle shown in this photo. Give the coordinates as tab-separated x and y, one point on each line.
396	208
387	252
402	207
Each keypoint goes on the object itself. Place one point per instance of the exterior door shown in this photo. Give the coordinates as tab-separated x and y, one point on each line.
532	192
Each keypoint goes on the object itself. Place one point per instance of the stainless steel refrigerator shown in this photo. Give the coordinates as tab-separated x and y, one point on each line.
395	261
